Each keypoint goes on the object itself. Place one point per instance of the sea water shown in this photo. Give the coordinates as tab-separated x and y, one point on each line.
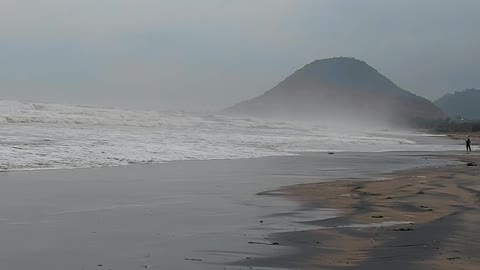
53	136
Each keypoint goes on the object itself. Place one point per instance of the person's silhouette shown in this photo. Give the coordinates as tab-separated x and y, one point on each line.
468	143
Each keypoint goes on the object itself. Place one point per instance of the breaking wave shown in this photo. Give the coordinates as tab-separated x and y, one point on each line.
45	136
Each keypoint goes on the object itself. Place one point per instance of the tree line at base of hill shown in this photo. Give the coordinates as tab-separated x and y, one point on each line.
447	124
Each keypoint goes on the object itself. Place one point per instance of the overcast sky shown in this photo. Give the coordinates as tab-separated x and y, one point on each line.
204	55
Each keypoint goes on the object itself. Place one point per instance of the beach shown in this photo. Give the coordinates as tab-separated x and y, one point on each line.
178	215
426	218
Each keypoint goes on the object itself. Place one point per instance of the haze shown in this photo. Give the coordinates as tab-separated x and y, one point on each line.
207	55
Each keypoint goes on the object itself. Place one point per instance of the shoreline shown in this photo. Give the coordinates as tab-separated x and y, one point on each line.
186	214
414	219
139	165
474	136
178	215
162	216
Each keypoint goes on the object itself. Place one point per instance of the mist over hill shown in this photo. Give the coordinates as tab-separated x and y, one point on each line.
339	90
465	104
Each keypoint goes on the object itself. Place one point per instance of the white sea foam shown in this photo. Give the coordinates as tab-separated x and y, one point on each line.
45	136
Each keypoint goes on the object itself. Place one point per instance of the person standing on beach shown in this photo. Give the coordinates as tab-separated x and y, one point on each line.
468	142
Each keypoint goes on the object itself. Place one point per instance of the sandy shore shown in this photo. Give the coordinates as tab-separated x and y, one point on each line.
202	215
417	219
474	136
205	215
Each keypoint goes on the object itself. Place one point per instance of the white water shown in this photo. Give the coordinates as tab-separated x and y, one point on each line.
46	136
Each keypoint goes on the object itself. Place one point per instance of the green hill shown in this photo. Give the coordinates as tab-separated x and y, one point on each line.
339	90
465	104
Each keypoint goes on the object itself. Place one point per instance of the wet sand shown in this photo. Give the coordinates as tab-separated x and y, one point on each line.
474	136
426	218
180	215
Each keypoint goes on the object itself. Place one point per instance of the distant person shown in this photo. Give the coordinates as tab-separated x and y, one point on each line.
468	142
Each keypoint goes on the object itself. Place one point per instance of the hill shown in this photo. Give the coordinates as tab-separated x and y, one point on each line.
339	90
465	104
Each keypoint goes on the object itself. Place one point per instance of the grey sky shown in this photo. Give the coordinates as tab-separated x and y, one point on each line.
204	55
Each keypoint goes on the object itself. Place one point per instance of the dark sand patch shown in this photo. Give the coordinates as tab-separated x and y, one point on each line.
439	209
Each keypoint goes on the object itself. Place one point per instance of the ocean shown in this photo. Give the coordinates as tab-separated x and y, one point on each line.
51	136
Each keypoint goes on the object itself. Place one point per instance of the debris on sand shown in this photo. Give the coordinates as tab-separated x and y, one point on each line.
262	243
195	260
403	229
